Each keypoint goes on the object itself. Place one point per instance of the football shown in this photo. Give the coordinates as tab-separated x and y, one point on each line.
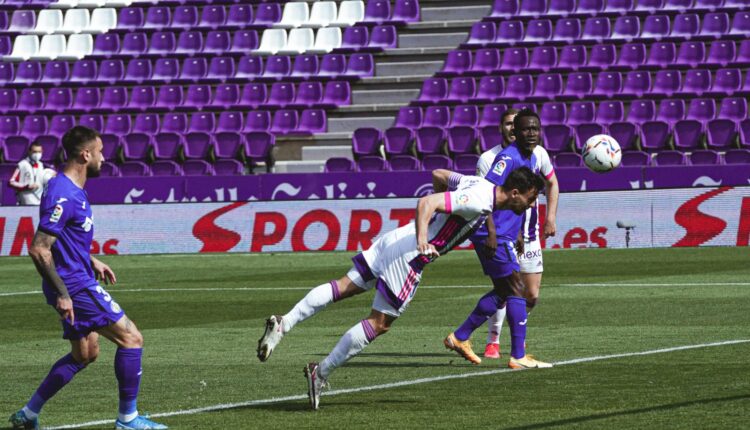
601	153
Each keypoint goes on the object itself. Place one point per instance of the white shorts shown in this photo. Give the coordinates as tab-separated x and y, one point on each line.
388	265
531	260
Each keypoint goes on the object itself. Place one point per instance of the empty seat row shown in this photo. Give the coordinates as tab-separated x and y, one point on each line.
503	9
174	97
51	47
191	70
51	21
606	56
624	28
220	167
304	40
580	85
701	157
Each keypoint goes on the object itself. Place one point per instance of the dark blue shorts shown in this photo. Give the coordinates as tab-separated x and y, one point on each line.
94	308
502	264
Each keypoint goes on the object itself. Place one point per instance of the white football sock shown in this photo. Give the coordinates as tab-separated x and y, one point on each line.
29	413
350	344
495	325
317	299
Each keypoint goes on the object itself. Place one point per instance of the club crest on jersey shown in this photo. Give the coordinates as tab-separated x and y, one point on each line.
115	307
56	214
463	199
499	167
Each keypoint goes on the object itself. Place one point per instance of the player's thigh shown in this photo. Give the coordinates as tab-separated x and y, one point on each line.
123	333
510	285
502	264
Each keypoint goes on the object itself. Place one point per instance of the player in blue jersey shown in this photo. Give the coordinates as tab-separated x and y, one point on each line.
61	253
497	252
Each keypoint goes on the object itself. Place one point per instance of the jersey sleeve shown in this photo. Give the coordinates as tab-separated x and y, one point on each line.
483	166
54	213
545	165
470	201
501	168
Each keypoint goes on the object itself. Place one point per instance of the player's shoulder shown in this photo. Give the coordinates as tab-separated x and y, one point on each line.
541	152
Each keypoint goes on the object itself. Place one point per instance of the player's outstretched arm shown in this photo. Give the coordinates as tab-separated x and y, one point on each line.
103	272
41	253
426	207
553	193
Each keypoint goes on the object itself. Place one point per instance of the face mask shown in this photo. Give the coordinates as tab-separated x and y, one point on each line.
36	156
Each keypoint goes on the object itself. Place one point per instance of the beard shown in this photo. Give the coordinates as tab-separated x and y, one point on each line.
93	171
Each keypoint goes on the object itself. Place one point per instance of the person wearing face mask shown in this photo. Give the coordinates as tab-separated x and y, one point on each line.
28	179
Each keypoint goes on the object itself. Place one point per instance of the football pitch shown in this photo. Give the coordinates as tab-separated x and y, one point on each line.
655	338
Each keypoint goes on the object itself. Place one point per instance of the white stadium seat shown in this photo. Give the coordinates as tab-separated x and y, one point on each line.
23	48
295	14
272	41
119	3
52	45
350	13
322	14
300	40
102	20
76	21
48	22
326	40
91	3
64	4
79	46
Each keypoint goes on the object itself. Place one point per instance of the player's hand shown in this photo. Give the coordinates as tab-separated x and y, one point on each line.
65	307
519	246
550	228
428	249
490	246
33	186
103	272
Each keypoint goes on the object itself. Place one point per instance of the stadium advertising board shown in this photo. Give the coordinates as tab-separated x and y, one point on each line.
661	218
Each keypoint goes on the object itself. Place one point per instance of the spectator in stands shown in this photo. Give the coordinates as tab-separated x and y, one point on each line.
29	178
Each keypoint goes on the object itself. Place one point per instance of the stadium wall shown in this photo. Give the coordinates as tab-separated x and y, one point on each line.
662	218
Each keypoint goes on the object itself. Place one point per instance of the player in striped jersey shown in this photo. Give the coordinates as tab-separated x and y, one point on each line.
393	265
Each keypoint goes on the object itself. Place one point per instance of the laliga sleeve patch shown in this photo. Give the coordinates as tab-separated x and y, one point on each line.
499	167
56	214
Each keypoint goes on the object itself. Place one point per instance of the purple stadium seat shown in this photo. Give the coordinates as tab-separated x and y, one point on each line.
277	67
510	31
157	17
734	108
285	121
745	133
581	113
197	145
557	137
136	146
240	15
165	168
626	28
220	69
671	110
253	96
567	30
189	43
249	67
337	93
482	33
490	89
167	145
642	111
138	71
245	40
51	147
267	14
654	136
669	158
585	131
377	11
185	17
538	30
34	125
406	11
226	96
635	159
568	159
56	72
134	169
28	73
354	38
259	120
134	44
8	100
705	157
715	25
106	45
524	105
404	163
661	55
697	82
519	87
533	8
360	66
608	84
146	123
193	70
305	66
691	54
58	100
543	58
429	140
130	18
197	168
572	57
30	100
230	121
111	146
625	133
372	163
596	28
5	45
174	123
437	116
15	148
688	134
461	139
737	156
637	83
227	144
721	53
655	27
726	82
578	86
434	90
515	59
666	83
548	87
504	9
708	5
466	163
741	25
7	73
92	121
141	98
258	147
686	25
217	42
678	5
60	124
701	109
84	71
461	90
409	117
332	65
169	98
398	141
162	43
111	71
213	17
313	121
552	113
491	115
9	126
609	112
632	56
197	97
340	164
465	115
721	133
202	122
436	161
109	170
366	141
561	7
457	62
228	167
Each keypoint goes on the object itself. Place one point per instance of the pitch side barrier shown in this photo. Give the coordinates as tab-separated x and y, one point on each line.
715	216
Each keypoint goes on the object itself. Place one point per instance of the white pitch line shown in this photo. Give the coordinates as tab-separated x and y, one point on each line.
426	287
410	382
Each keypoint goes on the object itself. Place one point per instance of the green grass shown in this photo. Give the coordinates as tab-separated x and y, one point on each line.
200	345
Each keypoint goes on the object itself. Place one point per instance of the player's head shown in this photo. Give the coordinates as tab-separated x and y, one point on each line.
35	151
83	145
506	126
527	127
522	188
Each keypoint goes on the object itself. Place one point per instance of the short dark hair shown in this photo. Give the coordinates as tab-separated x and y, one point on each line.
33	144
76	139
523	179
524	113
509	112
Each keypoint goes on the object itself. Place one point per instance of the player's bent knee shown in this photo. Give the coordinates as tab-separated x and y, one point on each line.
531	302
348	288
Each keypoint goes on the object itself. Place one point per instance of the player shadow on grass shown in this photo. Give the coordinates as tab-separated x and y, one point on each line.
584	419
